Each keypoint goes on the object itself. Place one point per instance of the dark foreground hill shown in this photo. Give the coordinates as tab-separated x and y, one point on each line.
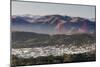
29	39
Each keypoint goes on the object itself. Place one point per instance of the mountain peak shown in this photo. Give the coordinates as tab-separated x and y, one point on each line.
51	24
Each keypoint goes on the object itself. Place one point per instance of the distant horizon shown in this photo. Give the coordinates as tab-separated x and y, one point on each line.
53	14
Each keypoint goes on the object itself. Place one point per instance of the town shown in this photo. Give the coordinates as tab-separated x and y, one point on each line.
52	50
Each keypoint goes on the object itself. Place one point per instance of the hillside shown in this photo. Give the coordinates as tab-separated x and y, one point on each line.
29	39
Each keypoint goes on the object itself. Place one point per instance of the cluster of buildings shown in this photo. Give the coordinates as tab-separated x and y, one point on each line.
52	50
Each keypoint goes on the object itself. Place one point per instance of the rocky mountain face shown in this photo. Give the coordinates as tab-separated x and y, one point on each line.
53	24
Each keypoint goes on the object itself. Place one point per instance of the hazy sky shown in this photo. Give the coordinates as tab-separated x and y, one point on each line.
34	8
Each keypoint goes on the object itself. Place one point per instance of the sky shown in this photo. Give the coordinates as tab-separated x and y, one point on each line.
35	8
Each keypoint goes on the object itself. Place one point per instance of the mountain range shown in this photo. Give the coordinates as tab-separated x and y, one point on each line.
53	24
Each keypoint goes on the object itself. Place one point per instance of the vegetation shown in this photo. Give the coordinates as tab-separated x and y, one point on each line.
66	58
28	39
